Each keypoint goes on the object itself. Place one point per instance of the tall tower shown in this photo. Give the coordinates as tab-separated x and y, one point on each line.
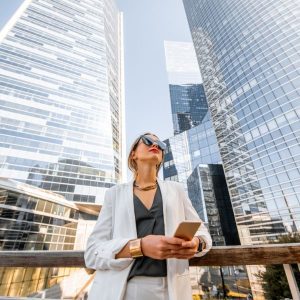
249	57
61	97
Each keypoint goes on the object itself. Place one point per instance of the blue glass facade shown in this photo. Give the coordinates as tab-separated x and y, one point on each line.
189	106
249	56
190	148
61	97
192	157
188	101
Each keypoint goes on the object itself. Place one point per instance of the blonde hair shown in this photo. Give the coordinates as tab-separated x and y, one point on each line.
132	165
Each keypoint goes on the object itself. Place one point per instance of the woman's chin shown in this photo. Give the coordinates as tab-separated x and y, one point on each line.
154	158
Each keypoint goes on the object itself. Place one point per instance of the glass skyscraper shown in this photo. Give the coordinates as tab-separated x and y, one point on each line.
188	102
249	57
61	97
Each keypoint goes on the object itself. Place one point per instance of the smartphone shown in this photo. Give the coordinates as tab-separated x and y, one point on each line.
186	230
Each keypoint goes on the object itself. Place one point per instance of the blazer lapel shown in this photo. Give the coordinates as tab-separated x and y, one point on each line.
130	208
164	195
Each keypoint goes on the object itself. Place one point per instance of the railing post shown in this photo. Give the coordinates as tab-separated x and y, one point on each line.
292	281
223	283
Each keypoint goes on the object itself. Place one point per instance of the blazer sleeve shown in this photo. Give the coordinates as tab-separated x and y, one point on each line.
101	248
191	214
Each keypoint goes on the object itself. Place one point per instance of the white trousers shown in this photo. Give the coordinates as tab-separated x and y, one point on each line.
147	288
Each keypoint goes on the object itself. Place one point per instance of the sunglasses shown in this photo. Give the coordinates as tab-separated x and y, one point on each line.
147	140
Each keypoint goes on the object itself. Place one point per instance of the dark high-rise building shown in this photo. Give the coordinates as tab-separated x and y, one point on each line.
209	194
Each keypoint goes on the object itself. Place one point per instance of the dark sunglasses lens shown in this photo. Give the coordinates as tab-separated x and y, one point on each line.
148	141
161	145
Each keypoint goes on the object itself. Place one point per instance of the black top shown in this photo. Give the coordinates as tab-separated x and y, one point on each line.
149	222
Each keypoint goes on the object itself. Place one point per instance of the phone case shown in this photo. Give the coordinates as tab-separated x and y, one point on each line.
186	230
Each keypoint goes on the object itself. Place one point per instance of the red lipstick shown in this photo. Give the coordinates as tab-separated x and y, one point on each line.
154	150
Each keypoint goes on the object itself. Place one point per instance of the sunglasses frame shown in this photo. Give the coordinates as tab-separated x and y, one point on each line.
148	141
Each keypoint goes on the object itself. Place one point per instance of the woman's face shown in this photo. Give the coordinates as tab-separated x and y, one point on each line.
147	154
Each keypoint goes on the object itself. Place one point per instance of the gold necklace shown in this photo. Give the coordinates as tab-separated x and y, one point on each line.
146	188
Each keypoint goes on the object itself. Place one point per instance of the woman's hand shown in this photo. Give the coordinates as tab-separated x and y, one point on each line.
162	247
188	249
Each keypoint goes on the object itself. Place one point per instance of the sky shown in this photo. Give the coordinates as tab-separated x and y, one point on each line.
7	8
147	23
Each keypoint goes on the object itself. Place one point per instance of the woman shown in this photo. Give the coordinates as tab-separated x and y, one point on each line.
132	247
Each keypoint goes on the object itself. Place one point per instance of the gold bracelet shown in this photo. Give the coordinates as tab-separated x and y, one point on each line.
135	248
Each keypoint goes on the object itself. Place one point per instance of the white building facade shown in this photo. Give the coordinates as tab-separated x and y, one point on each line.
61	97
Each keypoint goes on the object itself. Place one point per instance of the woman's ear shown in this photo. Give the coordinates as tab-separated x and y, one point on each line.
132	155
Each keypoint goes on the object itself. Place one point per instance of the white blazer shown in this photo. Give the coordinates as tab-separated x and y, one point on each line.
116	226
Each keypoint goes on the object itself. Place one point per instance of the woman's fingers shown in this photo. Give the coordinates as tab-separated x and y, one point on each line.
191	244
159	247
162	247
173	240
